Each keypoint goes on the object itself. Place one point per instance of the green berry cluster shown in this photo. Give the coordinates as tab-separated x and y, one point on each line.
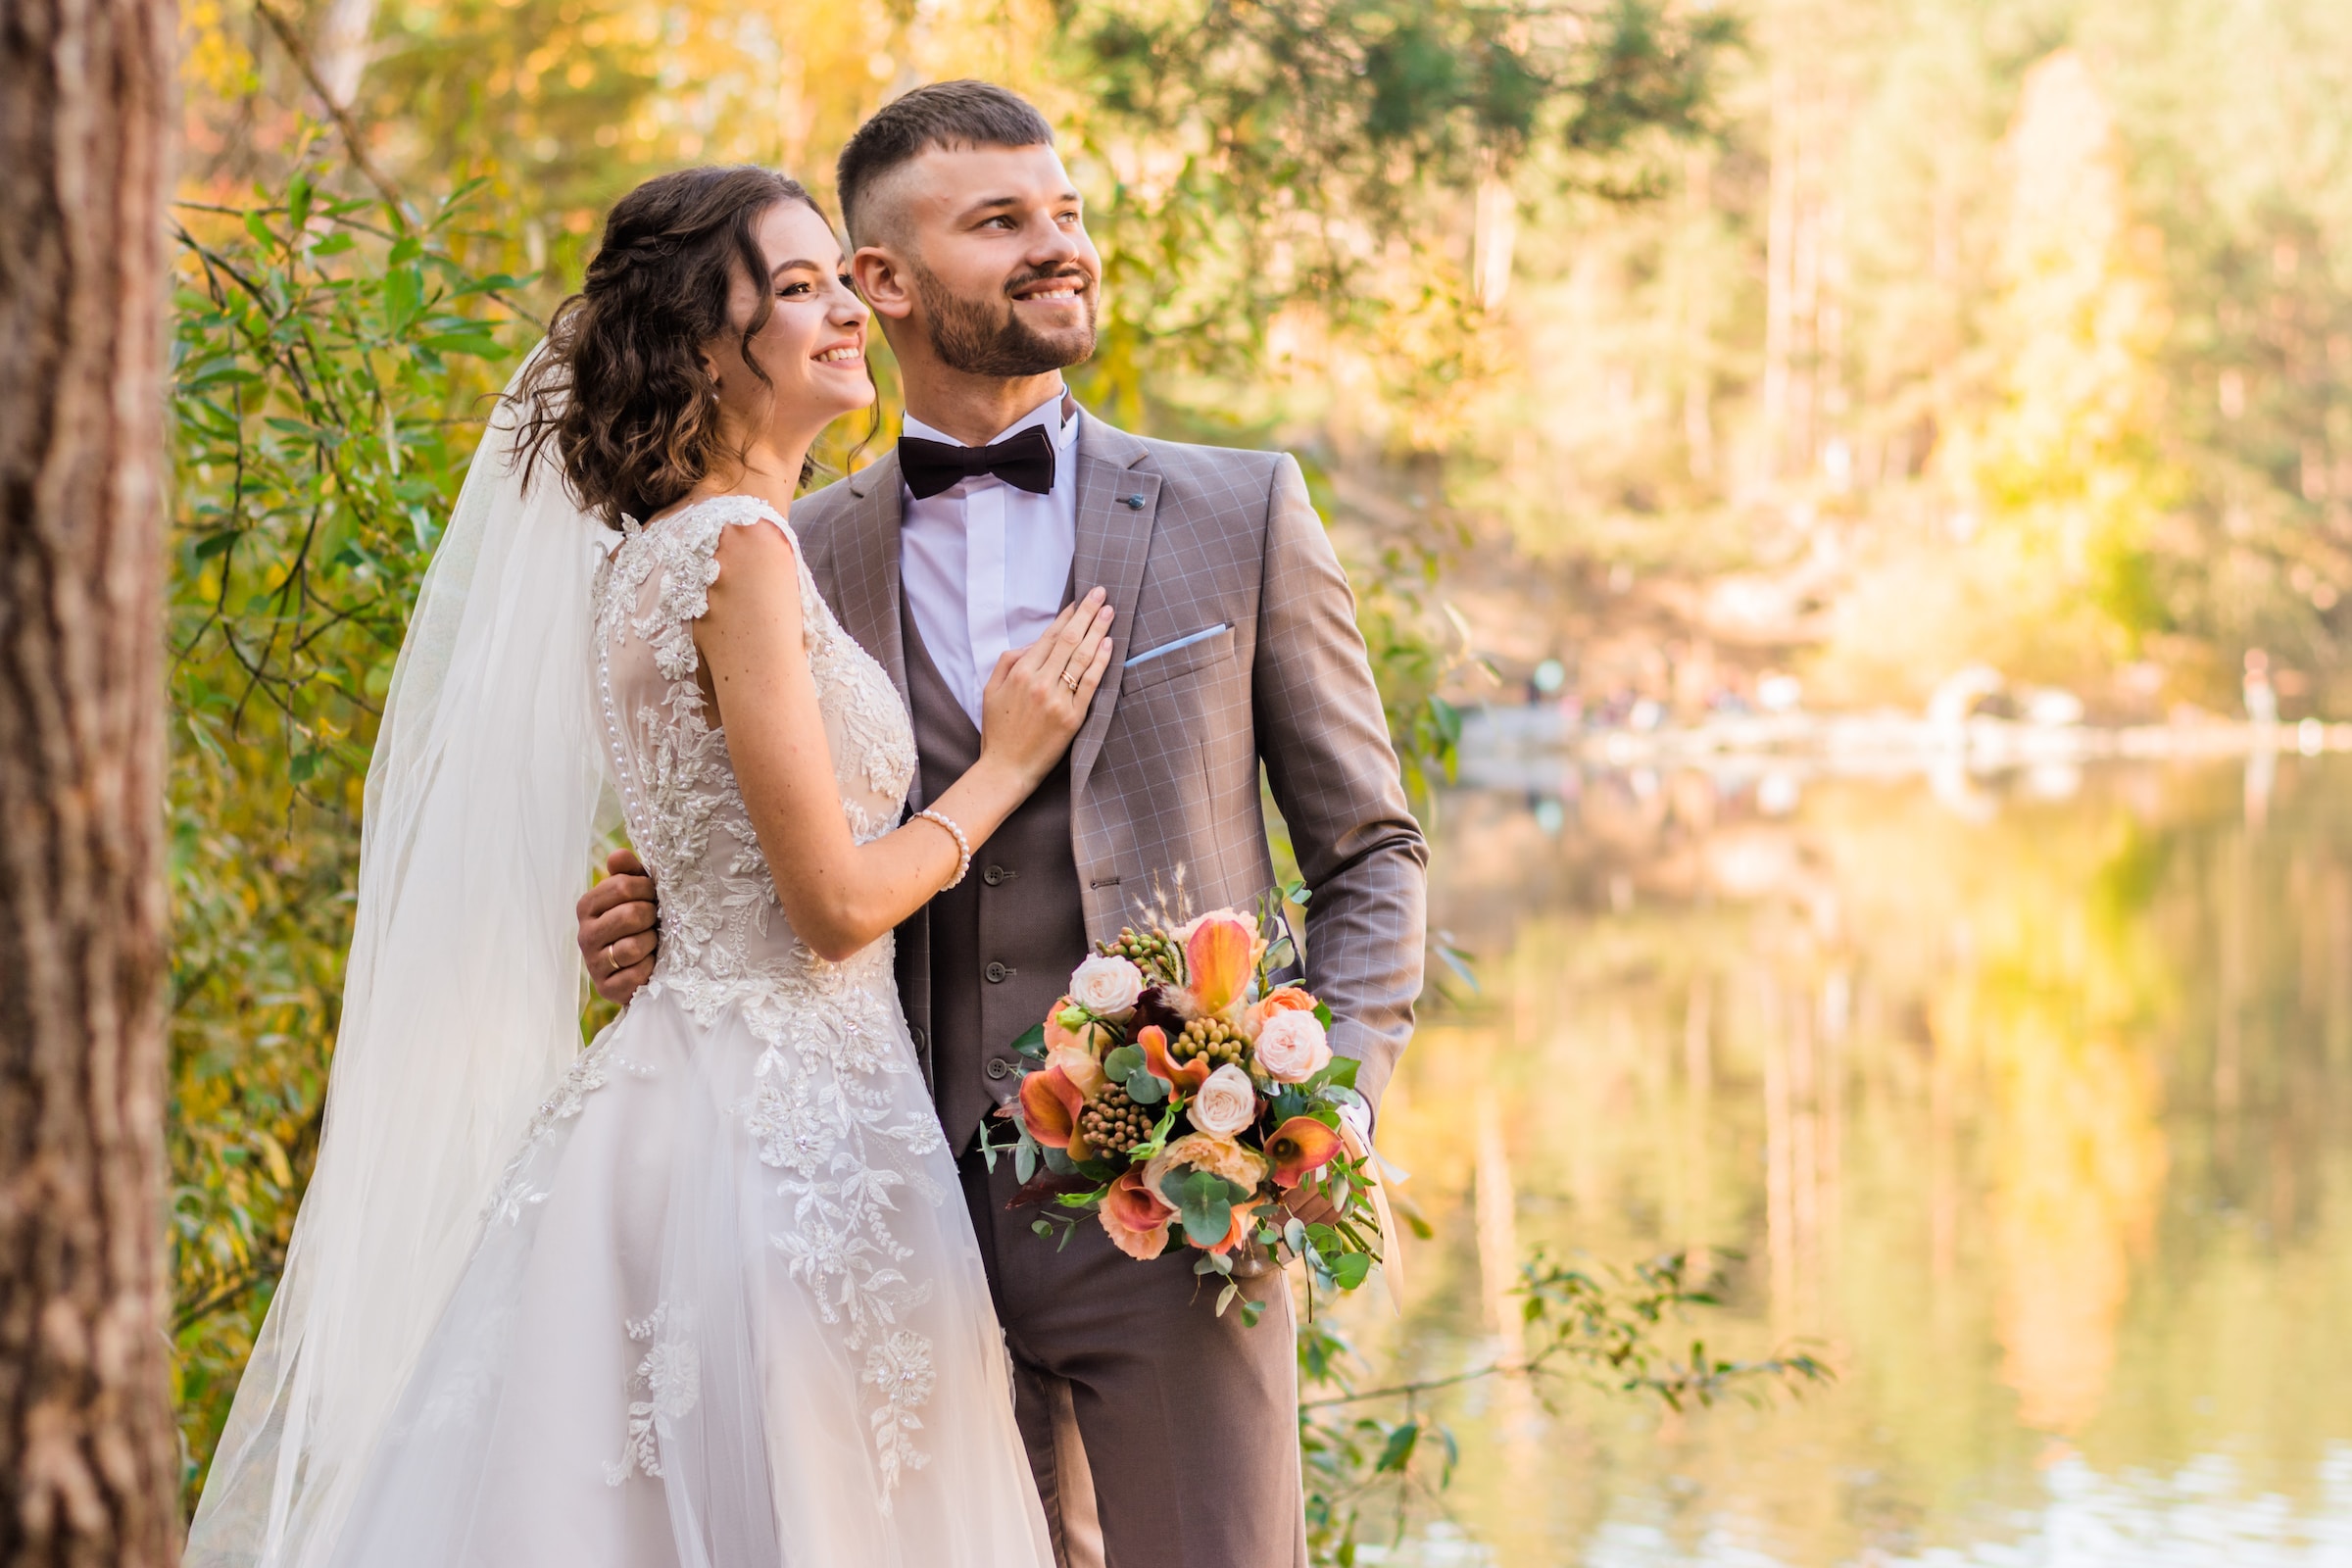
1113	1124
1209	1039
1148	951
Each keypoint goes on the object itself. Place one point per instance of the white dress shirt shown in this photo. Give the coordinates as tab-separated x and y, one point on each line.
984	565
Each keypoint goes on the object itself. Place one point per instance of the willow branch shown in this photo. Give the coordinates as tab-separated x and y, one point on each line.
297	52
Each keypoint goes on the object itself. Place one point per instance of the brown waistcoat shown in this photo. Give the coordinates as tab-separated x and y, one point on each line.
1002	941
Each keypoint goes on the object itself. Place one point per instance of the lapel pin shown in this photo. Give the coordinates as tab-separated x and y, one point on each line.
1135	503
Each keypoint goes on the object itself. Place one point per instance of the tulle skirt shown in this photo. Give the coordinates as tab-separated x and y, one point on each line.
727	1310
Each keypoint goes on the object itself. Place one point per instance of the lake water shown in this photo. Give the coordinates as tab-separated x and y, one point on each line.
2029	1103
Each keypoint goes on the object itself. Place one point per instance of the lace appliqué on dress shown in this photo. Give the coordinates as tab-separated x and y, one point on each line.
818	1113
516	1190
669	1381
900	1368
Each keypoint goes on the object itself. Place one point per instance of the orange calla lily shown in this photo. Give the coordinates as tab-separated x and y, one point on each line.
1298	1148
1153	1040
1136	1219
1050	1108
1217	962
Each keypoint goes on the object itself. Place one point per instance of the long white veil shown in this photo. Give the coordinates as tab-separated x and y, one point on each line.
461	1003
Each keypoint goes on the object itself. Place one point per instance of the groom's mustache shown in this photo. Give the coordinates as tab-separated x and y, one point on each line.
1047	274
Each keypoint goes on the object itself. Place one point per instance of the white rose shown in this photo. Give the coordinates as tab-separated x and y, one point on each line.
1292	1047
1226	1104
1107	987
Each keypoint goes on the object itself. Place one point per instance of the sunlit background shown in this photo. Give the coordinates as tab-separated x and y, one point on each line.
1852	501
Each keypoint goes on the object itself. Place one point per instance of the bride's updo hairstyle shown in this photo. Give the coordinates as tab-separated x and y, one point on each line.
620	386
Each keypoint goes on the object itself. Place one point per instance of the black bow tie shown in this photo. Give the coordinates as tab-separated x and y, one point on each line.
1024	461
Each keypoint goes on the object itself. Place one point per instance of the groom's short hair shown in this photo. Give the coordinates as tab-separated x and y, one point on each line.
944	113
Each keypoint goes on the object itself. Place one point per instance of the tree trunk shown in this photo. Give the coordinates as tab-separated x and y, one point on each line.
88	1458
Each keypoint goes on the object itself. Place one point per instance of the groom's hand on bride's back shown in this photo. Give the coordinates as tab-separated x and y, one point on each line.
616	928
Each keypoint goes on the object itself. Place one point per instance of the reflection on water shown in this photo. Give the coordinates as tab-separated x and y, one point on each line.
2037	1117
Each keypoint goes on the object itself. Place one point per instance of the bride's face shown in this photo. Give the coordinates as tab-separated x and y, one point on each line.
812	348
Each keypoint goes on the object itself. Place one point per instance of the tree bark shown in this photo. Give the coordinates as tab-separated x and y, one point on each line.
88	1458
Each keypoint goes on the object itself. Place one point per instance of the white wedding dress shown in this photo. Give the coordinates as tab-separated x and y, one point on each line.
726	1308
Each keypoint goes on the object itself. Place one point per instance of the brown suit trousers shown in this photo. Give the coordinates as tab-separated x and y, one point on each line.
1186	1420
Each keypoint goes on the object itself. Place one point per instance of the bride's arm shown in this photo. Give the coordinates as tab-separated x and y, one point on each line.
839	895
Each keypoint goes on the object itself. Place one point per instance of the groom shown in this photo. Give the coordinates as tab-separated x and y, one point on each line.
1235	646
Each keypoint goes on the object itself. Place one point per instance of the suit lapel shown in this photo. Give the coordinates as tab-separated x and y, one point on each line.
866	567
1117	503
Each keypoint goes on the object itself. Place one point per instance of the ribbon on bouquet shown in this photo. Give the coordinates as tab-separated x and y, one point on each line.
1391	1252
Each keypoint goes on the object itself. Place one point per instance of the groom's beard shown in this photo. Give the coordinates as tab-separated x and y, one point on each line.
988	337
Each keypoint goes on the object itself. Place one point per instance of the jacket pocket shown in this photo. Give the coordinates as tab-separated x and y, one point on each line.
1177	657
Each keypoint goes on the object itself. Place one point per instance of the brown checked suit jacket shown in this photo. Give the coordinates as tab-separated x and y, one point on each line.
1235	644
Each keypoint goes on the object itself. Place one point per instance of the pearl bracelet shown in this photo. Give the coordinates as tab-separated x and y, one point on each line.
963	846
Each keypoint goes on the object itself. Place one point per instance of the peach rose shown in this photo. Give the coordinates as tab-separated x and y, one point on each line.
1219	1156
1081	1067
1292	1048
1289	999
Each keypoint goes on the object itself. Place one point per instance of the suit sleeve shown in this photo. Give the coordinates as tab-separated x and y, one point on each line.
1324	742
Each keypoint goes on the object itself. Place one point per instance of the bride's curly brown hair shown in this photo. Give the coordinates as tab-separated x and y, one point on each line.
620	386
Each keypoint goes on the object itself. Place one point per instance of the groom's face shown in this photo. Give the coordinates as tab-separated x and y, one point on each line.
983	251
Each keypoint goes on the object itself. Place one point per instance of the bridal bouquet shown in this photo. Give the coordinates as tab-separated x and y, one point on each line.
1177	1092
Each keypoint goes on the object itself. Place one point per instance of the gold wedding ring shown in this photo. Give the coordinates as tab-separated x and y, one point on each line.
1070	678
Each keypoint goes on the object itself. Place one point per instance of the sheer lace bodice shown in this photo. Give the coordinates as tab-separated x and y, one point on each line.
723	937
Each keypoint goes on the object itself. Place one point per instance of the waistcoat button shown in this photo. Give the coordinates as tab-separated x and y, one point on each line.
997	1067
998	974
993	876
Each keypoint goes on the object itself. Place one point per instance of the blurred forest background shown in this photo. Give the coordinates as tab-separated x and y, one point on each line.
1679	343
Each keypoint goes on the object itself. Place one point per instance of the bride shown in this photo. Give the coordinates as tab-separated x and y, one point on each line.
716	1302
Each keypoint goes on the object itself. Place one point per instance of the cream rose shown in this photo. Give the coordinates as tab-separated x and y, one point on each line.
1292	1047
1226	1104
1107	987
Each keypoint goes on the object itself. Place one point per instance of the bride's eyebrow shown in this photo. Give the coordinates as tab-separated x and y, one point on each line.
797	264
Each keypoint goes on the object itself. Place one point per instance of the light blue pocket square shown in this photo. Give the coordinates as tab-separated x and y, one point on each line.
1151	654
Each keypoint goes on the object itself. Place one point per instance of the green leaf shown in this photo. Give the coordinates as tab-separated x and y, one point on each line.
1124	1063
1146	1089
1398	1451
1203	1202
1350	1269
1033	1044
